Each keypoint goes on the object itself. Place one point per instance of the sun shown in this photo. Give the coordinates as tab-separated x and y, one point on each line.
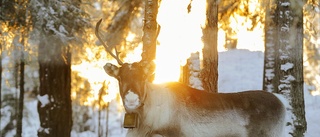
180	35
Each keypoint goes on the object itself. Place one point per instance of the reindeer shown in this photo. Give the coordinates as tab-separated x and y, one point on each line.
177	110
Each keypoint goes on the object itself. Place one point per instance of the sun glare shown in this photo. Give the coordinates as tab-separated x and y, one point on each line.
252	40
92	71
180	35
315	93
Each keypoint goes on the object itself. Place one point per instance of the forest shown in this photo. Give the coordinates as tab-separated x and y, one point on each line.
52	77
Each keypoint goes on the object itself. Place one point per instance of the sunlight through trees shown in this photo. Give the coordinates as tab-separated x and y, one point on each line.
50	55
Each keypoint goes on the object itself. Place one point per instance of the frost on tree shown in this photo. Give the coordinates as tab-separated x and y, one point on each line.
151	30
283	66
270	80
191	72
290	55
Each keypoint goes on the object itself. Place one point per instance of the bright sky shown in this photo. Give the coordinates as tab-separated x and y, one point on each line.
181	34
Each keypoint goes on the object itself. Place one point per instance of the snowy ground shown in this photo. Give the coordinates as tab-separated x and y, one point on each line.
238	70
242	70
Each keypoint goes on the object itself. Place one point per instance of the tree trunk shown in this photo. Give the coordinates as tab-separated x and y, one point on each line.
191	72
21	86
17	52
54	105
1	42
151	30
271	62
209	73
290	38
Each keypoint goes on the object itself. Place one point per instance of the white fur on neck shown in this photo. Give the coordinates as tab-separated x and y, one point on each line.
159	107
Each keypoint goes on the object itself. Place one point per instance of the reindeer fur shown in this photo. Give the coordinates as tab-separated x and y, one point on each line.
176	110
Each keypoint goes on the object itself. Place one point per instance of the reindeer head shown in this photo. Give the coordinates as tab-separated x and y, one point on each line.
132	78
132	82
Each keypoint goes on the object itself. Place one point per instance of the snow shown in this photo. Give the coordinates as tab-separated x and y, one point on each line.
286	66
242	70
44	100
97	5
45	130
238	70
5	116
63	30
285	4
287	79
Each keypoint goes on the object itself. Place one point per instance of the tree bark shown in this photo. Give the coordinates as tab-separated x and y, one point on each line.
151	30
54	105
209	74
290	38
1	42
21	87
271	62
191	72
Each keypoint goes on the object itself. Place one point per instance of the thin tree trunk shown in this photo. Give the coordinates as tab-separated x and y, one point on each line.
184	76
16	85
107	120
99	113
271	62
1	42
0	73
21	94
209	73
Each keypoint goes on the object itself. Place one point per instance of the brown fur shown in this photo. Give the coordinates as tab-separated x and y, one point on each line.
174	109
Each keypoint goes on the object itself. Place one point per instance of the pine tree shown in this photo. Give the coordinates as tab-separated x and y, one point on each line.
59	23
15	15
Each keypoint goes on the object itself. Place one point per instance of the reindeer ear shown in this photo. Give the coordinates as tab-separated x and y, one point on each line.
111	70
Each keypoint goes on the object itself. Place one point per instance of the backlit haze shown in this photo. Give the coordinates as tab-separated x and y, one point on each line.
180	35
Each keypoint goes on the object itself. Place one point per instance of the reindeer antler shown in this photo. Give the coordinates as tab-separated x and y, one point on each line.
105	46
